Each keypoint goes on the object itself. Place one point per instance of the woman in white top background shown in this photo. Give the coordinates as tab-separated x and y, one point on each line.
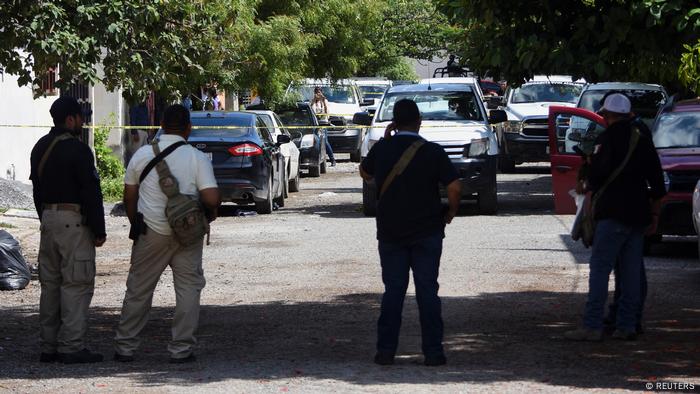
319	104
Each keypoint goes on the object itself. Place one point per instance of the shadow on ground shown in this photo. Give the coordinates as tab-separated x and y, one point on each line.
490	338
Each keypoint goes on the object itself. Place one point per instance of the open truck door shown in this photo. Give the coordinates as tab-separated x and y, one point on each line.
571	132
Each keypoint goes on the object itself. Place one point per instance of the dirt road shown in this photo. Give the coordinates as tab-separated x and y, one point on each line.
292	299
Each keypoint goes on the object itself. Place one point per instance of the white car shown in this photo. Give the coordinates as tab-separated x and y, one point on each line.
344	101
453	115
646	100
289	150
524	137
372	89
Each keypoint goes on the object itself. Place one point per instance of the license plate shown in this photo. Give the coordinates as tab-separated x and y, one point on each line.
211	156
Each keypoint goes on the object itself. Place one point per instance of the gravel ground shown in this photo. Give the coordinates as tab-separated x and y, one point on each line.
14	194
292	300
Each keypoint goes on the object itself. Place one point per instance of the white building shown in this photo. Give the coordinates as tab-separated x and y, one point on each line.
20	113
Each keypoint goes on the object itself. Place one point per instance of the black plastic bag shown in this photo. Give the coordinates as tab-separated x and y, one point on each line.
14	271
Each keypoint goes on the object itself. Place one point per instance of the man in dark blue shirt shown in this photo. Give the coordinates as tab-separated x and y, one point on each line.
68	200
408	172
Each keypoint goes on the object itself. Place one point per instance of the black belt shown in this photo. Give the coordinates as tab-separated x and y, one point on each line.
62	207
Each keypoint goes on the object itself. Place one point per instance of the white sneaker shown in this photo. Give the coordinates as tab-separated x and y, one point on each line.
584	334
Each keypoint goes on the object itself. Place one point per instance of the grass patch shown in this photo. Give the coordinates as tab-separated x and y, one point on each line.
3	210
7	225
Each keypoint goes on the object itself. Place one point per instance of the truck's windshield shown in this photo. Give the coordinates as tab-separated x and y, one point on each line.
677	130
645	103
547	92
341	94
434	105
372	91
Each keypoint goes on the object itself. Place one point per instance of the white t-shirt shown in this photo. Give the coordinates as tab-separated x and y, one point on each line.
191	167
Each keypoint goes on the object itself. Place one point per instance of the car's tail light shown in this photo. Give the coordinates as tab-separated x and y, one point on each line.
245	150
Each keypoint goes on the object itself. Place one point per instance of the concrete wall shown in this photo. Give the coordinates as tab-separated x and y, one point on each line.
109	108
425	68
18	107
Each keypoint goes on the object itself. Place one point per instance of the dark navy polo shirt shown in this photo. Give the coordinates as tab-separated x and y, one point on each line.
411	208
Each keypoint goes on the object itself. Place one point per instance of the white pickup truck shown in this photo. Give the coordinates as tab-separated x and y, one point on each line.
453	115
524	137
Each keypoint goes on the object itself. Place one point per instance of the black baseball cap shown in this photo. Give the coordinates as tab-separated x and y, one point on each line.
64	107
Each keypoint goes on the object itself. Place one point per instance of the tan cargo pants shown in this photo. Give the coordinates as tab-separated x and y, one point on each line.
67	276
150	255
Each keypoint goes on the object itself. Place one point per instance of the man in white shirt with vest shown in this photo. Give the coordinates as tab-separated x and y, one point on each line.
157	248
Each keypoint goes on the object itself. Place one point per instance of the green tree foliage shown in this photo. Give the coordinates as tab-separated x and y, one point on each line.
171	46
109	167
144	45
405	29
600	40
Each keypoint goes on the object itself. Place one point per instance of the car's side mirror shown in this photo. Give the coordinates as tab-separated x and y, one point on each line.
367	102
362	119
283	139
497	116
494	102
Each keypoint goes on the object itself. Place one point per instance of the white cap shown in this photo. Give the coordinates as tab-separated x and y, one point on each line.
617	103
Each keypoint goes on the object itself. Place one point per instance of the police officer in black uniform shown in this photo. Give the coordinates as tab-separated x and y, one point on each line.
68	200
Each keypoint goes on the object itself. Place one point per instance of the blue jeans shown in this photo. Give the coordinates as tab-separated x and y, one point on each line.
329	150
612	308
615	243
423	257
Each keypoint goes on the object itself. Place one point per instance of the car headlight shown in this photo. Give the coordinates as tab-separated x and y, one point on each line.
307	141
513	126
667	181
478	147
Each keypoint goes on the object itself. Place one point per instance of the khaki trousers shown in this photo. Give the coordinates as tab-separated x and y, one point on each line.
67	276
150	255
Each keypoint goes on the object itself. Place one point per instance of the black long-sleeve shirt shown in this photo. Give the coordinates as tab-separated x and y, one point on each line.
627	198
69	176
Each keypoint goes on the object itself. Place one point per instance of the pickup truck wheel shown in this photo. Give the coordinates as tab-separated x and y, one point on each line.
369	199
355	156
488	201
264	207
315	171
506	165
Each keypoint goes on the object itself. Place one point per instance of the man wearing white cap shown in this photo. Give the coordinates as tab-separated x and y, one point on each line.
627	182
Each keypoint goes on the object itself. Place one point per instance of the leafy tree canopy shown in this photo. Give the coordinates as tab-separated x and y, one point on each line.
642	40
171	46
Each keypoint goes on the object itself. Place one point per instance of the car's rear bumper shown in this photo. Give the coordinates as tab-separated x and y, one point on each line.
309	157
347	141
242	186
525	149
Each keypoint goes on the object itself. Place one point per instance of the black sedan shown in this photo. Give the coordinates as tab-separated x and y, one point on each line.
311	141
248	165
